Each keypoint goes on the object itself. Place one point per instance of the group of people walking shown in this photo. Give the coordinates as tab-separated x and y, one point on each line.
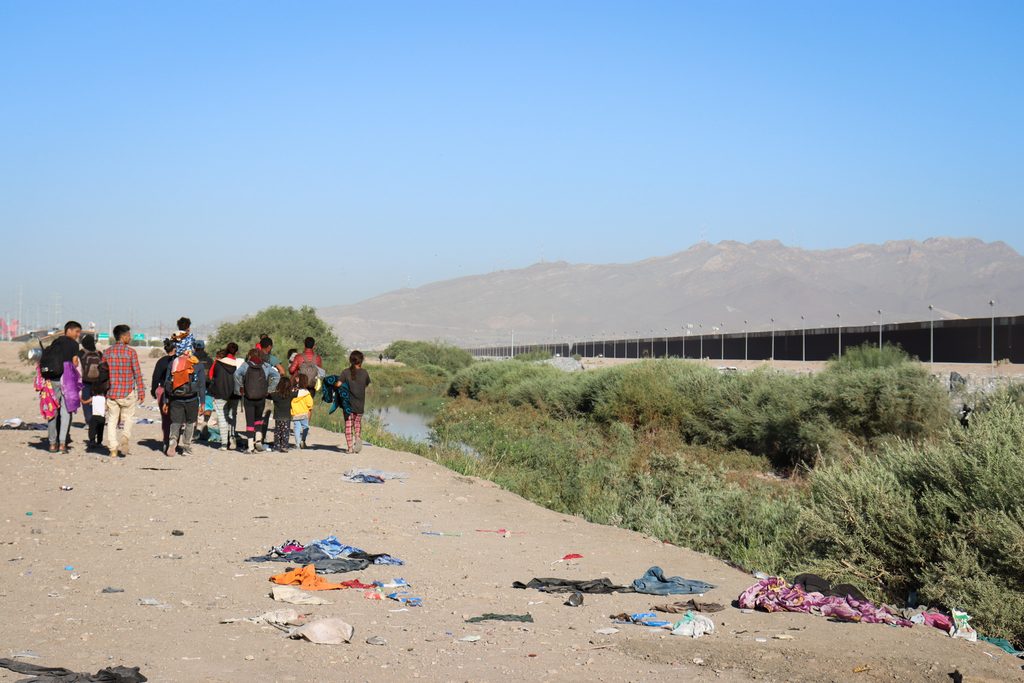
198	396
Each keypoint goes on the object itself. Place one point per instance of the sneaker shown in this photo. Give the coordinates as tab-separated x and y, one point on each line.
232	444
250	447
186	450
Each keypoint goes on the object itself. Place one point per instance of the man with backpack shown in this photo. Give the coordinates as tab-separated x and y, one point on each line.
63	349
181	405
126	392
255	379
308	363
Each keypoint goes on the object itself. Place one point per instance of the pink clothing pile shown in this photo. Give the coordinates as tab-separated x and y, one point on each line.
774	594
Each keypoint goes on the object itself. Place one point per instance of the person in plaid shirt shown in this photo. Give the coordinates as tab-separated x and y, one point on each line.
126	390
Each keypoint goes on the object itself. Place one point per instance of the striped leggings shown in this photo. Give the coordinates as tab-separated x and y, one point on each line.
353	429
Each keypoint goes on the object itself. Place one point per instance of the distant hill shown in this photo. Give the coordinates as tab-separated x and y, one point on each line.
707	284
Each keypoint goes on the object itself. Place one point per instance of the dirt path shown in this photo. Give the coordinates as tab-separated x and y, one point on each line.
114	528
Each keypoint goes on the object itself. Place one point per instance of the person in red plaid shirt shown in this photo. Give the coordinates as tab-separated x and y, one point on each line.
126	390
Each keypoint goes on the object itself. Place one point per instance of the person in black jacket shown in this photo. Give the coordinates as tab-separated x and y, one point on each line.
225	394
156	388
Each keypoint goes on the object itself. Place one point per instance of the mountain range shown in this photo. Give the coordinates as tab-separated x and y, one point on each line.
731	283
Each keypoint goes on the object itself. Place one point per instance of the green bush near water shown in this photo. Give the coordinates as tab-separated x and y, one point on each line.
421	354
288	327
792	420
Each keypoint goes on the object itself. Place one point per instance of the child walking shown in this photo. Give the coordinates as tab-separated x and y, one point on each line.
353	382
282	399
301	407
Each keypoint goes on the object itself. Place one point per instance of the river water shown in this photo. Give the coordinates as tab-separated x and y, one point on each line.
404	422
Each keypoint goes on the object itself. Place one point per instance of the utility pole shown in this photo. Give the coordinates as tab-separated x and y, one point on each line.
721	328
840	323
773	340
992	308
879	329
745	340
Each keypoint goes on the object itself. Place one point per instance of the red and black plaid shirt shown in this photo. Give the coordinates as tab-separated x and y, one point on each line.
125	373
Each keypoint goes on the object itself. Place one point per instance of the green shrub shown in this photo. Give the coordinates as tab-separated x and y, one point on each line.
795	420
943	518
421	353
288	327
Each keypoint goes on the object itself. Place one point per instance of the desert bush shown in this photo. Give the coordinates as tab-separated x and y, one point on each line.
943	518
421	353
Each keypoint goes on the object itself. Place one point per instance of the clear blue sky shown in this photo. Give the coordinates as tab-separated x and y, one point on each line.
211	158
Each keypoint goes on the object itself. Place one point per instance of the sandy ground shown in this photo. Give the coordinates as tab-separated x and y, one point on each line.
114	528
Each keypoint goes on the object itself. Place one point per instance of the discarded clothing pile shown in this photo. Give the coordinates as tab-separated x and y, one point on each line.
654	582
812	583
364	476
774	594
402	596
689	606
641	619
692	624
328	555
18	423
306	578
569	586
54	674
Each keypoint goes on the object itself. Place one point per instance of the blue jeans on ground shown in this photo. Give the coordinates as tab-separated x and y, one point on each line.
301	429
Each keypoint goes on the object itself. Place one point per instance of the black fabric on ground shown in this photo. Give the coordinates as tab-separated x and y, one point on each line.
526	618
353	562
340	565
812	583
569	586
52	674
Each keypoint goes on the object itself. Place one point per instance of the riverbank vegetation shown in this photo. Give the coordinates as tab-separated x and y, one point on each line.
859	473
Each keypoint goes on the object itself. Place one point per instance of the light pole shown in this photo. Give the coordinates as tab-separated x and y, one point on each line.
666	343
931	334
772	358
879	329
839	322
992	308
745	340
803	340
701	327
722	328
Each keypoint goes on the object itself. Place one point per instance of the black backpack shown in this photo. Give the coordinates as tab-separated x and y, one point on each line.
91	367
51	363
255	383
186	390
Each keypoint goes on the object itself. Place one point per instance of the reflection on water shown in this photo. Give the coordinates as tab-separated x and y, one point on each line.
412	421
404	423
